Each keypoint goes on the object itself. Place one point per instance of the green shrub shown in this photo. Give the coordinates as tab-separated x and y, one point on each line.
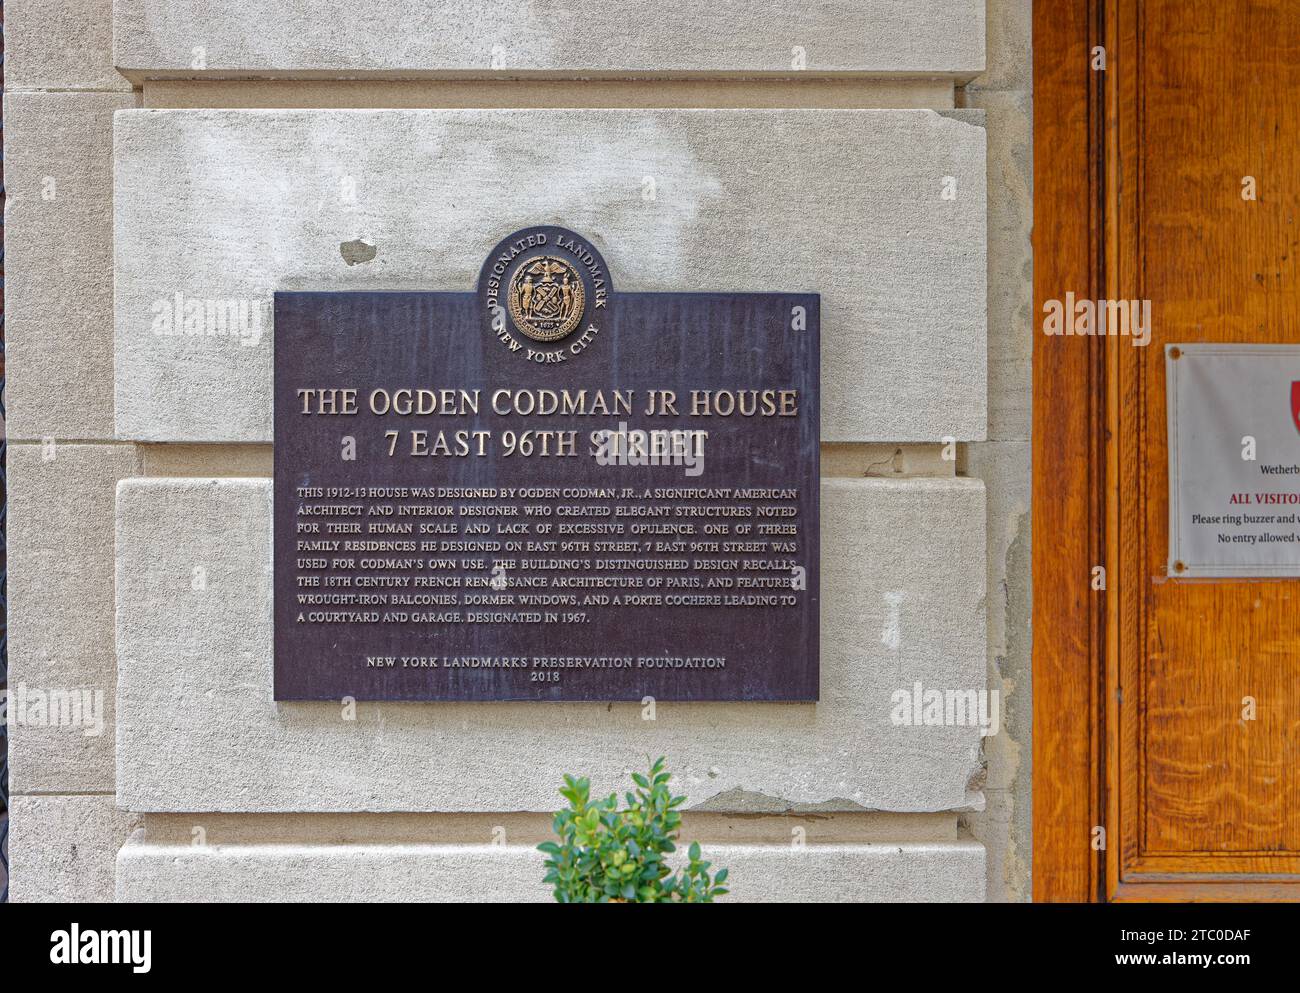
607	855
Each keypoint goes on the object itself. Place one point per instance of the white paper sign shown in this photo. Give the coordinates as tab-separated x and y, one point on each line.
1234	459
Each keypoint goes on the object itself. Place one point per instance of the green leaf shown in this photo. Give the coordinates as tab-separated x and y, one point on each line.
604	853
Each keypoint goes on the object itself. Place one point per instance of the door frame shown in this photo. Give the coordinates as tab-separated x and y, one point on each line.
1085	240
1069	459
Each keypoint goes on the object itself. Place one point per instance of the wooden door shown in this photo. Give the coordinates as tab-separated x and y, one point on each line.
1145	686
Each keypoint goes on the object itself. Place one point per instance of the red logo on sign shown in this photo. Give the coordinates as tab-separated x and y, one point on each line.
1295	404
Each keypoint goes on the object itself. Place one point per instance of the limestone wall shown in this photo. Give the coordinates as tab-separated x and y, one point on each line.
875	152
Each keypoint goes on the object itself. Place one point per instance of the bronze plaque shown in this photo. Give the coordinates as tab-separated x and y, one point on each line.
546	489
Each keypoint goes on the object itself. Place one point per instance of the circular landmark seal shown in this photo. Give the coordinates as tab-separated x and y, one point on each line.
544	292
546	298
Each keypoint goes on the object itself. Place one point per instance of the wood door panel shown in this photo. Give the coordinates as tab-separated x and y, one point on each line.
1214	781
1205	95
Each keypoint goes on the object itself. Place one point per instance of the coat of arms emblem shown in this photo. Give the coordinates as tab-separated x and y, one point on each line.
544	294
546	298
